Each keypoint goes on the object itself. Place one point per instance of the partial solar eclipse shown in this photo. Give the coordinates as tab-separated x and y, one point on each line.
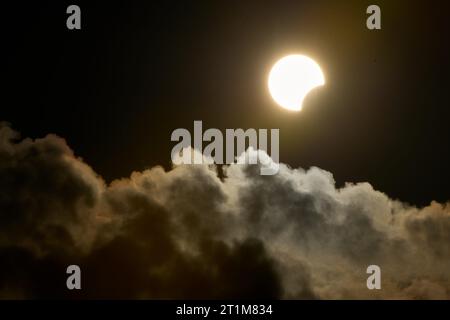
292	78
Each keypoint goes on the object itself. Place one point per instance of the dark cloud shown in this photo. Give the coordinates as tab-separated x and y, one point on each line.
186	233
48	197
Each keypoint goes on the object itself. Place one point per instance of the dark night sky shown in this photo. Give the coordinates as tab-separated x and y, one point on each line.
136	71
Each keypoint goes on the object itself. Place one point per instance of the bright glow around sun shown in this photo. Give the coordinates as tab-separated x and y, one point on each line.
292	78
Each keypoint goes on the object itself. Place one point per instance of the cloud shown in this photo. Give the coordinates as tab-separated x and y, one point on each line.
186	233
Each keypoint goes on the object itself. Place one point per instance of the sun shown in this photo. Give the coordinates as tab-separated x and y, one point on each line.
292	78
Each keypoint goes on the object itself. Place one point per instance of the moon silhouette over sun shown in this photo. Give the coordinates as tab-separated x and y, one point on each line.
292	78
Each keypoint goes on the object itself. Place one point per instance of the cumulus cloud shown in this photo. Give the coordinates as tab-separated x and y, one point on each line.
188	233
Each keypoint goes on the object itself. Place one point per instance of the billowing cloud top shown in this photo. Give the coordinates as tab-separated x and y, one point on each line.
186	233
